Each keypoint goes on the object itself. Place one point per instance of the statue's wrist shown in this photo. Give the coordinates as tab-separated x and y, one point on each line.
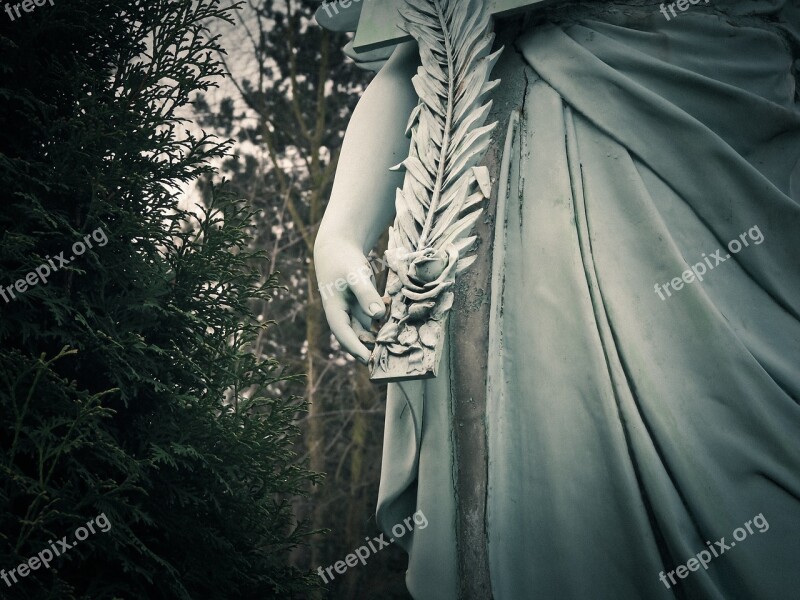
353	236
332	244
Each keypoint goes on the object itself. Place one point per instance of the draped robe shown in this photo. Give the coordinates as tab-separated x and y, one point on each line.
626	430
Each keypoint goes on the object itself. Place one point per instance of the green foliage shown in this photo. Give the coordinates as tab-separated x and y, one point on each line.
128	385
294	94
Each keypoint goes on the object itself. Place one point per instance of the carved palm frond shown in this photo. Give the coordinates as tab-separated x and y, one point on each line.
443	190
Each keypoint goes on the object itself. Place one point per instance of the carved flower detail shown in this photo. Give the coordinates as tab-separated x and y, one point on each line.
428	266
426	273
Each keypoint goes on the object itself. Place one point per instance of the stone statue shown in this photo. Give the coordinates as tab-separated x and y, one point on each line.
614	412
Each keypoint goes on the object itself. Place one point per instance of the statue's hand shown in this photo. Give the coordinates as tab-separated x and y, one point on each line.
348	292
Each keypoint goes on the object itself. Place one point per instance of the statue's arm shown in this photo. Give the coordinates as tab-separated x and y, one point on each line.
362	199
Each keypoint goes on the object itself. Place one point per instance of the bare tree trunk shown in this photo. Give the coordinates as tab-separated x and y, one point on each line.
365	395
315	432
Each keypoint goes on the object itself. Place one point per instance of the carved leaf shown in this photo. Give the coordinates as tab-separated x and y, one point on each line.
399	309
415	361
388	333
429	334
408	336
447	128
398	349
383	358
393	284
443	306
484	183
420	311
465	263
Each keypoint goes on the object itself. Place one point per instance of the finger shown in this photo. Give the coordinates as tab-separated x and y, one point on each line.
367	295
365	336
339	321
363	318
